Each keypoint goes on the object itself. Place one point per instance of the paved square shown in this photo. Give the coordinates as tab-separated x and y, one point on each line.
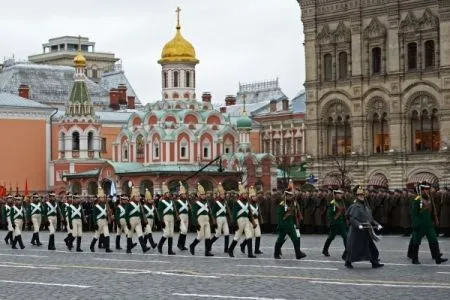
36	273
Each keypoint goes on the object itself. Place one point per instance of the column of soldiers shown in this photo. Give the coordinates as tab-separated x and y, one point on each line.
246	213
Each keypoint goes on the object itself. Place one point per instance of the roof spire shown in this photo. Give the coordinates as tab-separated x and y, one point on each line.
244	111
178	18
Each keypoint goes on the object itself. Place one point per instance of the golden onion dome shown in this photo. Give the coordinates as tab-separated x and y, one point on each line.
79	61
178	50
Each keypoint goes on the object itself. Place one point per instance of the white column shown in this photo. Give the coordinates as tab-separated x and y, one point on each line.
191	152
134	151
48	158
145	153
83	146
113	152
68	146
119	152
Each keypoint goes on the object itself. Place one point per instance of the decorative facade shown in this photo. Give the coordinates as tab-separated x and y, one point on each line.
378	91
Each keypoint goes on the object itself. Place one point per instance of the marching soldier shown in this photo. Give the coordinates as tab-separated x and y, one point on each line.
286	225
149	211
17	217
76	218
182	206
6	216
423	216
221	213
35	214
64	210
166	212
256	215
134	218
242	216
201	219
100	218
120	221
336	217
51	211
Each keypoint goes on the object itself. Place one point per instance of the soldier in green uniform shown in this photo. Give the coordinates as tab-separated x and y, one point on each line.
166	212
244	220
51	210
17	217
256	215
76	218
100	219
200	215
286	225
182	207
423	216
221	213
337	221
149	212
35	214
64	210
5	216
134	218
119	220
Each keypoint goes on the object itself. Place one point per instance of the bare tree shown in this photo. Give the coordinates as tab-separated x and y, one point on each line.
343	166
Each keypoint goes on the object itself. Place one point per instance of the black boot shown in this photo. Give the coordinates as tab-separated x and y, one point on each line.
51	242
281	246
118	243
8	238
129	245
243	244
250	248
298	253
344	255
435	252
326	247
214	238
161	244
152	242
348	265
415	254
101	241
376	264
33	239
69	241
193	245
226	243
79	244
106	244
92	247
257	245
277	251
231	248
208	248
182	242
410	249
21	245
143	244
169	244
432	253
14	243
38	242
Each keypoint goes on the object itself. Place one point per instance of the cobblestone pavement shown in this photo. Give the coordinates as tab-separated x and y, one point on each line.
36	273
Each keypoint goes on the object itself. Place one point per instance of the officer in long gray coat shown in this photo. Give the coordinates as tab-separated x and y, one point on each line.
360	240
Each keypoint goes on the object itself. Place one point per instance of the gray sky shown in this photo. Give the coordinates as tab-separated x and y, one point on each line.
235	40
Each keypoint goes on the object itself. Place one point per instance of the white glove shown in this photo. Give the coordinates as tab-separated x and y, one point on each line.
379	227
360	227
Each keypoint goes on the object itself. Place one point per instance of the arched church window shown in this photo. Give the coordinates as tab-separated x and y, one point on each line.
193	80
75	141
206	150
425	130
156	149
90	141
338	130
140	146
165	80
62	146
412	56
188	79
376	60
184	149
429	54
380	133
125	152
328	67
343	65
176	79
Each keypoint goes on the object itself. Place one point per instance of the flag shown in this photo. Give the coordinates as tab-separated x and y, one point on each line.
112	191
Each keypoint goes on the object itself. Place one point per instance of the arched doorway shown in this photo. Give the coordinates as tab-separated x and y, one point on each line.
92	188
207	185
146	184
378	181
125	188
174	186
76	188
106	186
428	177
230	185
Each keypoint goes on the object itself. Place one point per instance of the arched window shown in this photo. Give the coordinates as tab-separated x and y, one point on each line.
165	80
429	54
412	56
156	149
193	79
328	67
343	65
176	79
188	78
206	150
380	133
184	149
338	130
94	72
90	141
425	130
62	146
376	60
140	146
75	141
125	152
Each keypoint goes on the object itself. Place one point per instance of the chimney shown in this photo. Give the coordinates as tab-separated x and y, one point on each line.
230	100
122	89
24	91
114	99
273	105
223	109
285	104
206	97
131	103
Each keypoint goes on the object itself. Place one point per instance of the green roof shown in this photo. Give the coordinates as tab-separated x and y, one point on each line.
293	172
91	173
244	122
79	93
